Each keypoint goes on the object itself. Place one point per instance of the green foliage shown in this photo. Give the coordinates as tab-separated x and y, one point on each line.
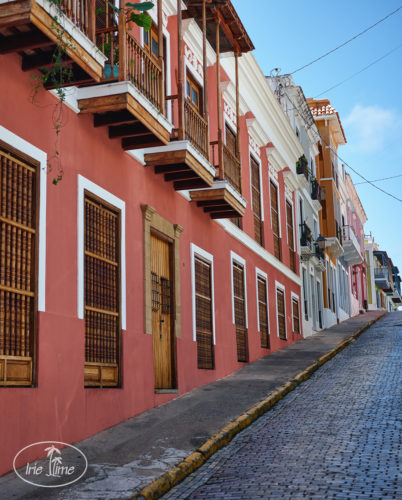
142	6
143	20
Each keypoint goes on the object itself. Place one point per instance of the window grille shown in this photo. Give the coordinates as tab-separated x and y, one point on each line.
18	234
240	312
102	287
263	312
203	311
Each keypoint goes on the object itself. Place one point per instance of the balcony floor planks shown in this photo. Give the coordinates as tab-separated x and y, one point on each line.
178	158
219	203
126	102
29	13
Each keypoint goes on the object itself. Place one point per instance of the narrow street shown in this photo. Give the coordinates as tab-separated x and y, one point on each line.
338	435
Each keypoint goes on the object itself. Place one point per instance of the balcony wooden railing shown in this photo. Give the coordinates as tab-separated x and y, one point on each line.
196	127
107	40
81	13
231	164
142	71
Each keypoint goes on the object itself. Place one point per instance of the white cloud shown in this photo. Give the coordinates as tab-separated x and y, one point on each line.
369	128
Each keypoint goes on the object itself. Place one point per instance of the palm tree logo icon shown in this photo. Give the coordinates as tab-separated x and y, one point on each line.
51	450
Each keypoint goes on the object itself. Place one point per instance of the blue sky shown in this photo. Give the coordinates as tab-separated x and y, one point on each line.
290	34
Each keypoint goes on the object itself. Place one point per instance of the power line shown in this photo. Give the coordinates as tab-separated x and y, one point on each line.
358	72
378	180
340	158
348	41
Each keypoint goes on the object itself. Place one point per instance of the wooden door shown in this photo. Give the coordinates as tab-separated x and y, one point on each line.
162	307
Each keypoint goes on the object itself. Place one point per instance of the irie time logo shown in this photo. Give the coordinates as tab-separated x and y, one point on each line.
61	464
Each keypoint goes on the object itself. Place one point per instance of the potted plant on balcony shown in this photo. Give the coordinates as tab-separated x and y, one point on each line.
131	14
302	166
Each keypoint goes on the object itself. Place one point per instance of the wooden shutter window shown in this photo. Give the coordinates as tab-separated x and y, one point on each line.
289	224
256	200
240	312
275	220
280	299
263	311
102	293
203	313
295	312
18	256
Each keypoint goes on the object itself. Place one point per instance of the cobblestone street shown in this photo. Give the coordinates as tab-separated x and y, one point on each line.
338	435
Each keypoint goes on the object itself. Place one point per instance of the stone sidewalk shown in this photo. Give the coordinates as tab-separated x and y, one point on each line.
127	457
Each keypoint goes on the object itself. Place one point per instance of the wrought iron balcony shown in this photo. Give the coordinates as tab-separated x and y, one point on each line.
315	190
306	239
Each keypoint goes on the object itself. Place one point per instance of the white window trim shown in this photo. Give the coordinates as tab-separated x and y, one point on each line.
37	154
282	287
296	297
87	185
279	204
239	260
197	251
260	274
258	161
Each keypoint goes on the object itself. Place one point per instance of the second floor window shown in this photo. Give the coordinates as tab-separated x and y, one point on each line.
291	242
256	200
275	220
194	92
151	42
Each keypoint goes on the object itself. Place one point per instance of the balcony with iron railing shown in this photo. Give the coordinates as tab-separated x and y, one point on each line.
303	171
351	246
306	238
36	28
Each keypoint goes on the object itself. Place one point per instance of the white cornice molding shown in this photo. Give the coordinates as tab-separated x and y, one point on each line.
256	91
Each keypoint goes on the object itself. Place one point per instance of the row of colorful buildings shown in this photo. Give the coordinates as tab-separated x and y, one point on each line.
201	218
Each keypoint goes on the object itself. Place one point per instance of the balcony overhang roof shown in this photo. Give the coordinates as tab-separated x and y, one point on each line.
233	35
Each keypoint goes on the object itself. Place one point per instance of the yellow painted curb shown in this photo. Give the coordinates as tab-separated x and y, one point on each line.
174	476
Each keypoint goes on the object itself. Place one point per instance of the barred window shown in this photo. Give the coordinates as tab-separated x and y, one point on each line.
289	224
203	313
18	264
275	220
263	311
256	200
240	312
295	314
102	297
280	303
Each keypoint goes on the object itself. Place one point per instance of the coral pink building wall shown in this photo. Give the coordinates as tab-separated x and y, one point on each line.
59	408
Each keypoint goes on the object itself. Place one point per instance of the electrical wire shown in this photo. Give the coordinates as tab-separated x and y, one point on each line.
348	41
358	72
340	158
378	180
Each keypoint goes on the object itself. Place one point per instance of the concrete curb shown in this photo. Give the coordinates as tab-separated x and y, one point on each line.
161	485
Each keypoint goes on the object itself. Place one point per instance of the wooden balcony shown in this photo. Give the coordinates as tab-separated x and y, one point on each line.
223	199
185	162
34	28
131	99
